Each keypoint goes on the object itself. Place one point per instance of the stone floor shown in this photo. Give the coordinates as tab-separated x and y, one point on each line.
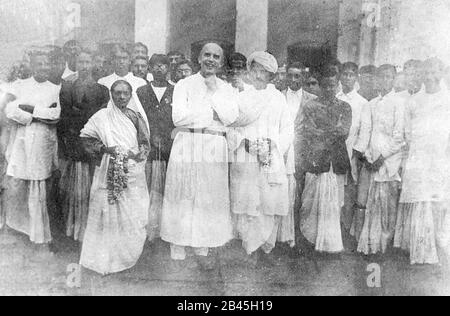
156	274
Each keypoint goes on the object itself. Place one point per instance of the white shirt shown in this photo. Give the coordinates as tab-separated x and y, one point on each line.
159	91
294	100
427	168
356	101
135	83
382	134
32	148
193	107
67	73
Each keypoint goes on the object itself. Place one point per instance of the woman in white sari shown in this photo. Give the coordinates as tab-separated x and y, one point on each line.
118	210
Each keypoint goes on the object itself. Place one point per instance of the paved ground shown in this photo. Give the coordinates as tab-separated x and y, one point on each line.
156	274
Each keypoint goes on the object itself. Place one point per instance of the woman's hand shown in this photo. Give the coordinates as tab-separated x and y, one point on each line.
111	150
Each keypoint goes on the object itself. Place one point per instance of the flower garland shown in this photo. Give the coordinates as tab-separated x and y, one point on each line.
117	176
262	149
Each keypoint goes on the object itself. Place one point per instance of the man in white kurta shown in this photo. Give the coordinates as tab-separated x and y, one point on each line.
296	98
122	64
259	194
196	207
381	141
349	94
31	152
424	213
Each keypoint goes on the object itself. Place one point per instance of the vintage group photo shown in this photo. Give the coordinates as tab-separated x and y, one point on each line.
225	148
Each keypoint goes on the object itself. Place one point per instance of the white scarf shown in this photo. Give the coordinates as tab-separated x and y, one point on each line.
113	128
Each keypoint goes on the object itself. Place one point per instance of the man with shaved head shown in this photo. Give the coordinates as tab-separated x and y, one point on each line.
196	208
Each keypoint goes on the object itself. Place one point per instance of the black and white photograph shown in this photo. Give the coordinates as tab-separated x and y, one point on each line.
235	150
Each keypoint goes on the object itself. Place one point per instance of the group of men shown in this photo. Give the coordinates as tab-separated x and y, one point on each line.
234	153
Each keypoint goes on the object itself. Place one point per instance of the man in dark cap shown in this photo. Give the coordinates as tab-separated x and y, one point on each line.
238	71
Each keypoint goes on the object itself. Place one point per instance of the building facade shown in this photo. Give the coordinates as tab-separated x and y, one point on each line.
363	31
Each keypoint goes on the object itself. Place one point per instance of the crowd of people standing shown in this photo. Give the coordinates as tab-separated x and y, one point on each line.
114	151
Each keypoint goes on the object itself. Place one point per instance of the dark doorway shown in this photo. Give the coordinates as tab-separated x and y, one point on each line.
312	55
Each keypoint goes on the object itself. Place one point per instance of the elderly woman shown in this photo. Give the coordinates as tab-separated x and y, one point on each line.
263	134
118	211
79	101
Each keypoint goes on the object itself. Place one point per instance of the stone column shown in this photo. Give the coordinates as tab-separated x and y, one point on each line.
349	30
251	25
151	24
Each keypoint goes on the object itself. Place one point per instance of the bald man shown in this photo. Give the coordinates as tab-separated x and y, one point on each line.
196	208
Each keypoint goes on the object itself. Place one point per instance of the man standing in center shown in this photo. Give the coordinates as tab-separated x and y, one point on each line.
196	208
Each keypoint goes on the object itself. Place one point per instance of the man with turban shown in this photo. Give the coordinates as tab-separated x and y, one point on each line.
258	144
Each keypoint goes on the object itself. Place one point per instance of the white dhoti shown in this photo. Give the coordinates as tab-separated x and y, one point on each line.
156	180
323	199
25	204
423	230
196	208
286	231
259	206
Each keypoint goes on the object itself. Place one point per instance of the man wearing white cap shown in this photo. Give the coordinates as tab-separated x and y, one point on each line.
196	207
258	144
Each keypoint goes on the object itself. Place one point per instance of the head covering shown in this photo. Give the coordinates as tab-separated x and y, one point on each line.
264	59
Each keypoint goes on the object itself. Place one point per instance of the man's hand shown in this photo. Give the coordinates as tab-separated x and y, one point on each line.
238	83
111	150
26	108
378	164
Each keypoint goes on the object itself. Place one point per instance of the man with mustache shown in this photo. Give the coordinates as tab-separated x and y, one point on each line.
140	67
196	208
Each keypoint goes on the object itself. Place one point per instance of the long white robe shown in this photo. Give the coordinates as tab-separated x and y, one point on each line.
115	233
32	157
196	207
135	83
424	213
259	196
382	134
